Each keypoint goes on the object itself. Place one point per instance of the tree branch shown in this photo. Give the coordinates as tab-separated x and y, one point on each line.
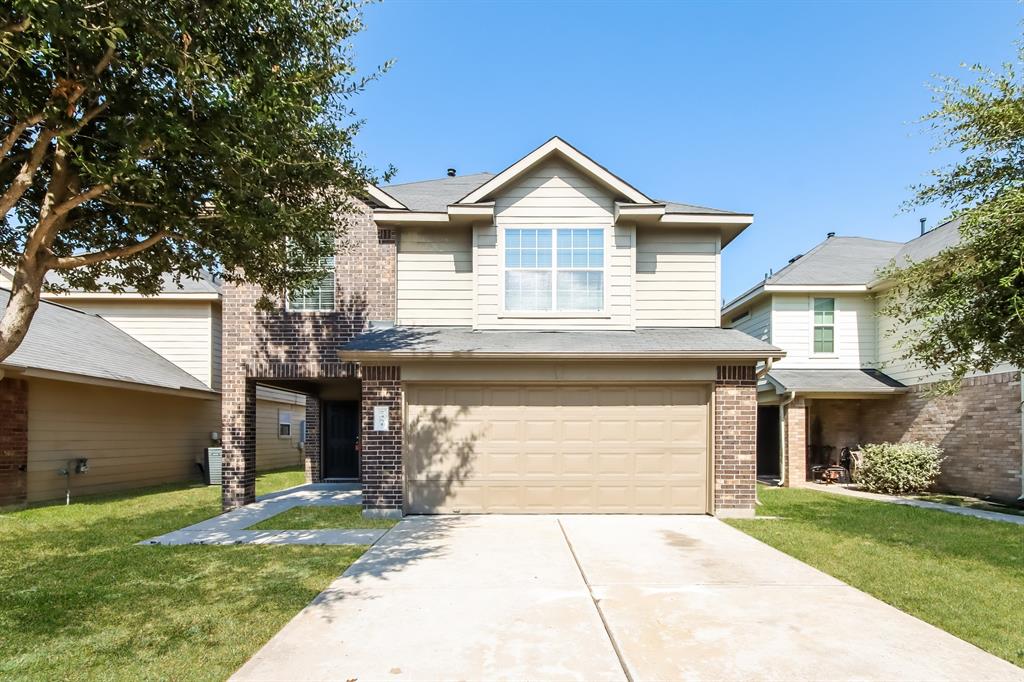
108	57
69	262
86	118
17	26
23	179
16	132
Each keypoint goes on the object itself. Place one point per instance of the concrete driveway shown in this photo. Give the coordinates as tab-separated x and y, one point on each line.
601	598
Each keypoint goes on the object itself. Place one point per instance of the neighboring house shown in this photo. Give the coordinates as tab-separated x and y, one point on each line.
844	380
546	339
183	324
80	388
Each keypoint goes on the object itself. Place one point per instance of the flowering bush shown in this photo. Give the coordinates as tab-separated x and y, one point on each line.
898	468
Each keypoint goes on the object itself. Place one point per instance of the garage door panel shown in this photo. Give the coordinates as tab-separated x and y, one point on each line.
582	448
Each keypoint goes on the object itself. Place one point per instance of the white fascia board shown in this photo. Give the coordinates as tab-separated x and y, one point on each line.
643	211
816	288
556	144
383	197
743	299
480	210
391	217
743	219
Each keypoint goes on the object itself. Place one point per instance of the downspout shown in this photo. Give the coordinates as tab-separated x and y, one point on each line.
782	437
760	374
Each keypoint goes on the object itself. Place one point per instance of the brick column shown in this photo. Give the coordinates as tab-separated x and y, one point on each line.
238	414
13	443
381	461
796	442
735	441
311	448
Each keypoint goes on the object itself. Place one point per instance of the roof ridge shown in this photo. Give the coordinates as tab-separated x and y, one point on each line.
10	292
441	179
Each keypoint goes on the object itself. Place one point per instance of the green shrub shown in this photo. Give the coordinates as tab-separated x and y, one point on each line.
898	468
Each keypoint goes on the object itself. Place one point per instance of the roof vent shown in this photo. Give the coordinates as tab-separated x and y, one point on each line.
830	235
796	258
922	221
451	172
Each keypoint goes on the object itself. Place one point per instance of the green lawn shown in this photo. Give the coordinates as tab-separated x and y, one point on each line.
972	503
311	518
961	574
79	600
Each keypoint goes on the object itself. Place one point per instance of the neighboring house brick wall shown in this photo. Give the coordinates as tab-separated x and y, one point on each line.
735	440
381	461
979	429
300	345
13	442
311	448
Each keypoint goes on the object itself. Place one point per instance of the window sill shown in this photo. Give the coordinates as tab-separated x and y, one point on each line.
824	356
554	316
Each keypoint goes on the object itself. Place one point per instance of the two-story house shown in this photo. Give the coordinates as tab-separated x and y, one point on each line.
845	381
545	339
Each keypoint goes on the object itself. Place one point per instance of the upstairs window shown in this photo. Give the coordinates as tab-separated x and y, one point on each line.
319	297
824	325
554	270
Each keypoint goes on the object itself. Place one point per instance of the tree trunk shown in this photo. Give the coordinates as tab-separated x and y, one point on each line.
25	292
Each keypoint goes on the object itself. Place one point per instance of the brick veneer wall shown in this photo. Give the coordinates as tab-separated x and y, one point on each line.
311	447
13	442
299	345
796	442
735	440
979	428
381	461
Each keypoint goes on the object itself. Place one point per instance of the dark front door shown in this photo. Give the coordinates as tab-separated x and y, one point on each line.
340	433
768	440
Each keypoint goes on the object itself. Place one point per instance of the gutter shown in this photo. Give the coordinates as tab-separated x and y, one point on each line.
782	436
360	356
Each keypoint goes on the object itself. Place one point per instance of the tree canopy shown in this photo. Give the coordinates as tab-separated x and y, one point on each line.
966	305
141	137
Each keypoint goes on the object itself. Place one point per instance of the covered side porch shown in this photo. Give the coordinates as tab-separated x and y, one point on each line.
806	417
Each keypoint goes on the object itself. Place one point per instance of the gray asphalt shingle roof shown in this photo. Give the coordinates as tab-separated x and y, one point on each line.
697	341
204	285
838	260
436	195
62	339
834	381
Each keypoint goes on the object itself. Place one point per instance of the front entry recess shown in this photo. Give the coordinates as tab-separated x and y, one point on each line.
340	435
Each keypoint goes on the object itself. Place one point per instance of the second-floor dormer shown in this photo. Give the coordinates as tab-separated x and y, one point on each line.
555	241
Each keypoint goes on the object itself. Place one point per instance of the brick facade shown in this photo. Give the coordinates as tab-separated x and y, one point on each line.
979	429
13	442
735	441
299	346
795	425
311	448
381	467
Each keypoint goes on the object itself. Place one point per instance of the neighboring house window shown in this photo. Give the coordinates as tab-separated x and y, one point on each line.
824	325
302	430
284	424
559	270
319	297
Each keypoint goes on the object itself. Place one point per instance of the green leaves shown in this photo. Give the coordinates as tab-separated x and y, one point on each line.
222	124
965	305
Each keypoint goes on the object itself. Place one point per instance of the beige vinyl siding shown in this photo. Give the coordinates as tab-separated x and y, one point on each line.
181	331
272	451
554	195
757	324
131	438
216	332
892	362
676	278
855	337
435	276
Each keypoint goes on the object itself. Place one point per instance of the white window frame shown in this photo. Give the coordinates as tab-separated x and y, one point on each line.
332	276
834	353
284	419
603	313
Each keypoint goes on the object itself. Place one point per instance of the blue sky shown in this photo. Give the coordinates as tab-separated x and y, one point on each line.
802	113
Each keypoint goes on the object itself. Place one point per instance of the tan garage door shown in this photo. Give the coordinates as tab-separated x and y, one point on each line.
585	448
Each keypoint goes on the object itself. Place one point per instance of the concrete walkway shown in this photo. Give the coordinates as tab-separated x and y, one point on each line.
230	528
921	504
601	598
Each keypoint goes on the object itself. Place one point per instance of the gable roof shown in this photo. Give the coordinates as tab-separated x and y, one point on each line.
66	341
851	262
555	146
